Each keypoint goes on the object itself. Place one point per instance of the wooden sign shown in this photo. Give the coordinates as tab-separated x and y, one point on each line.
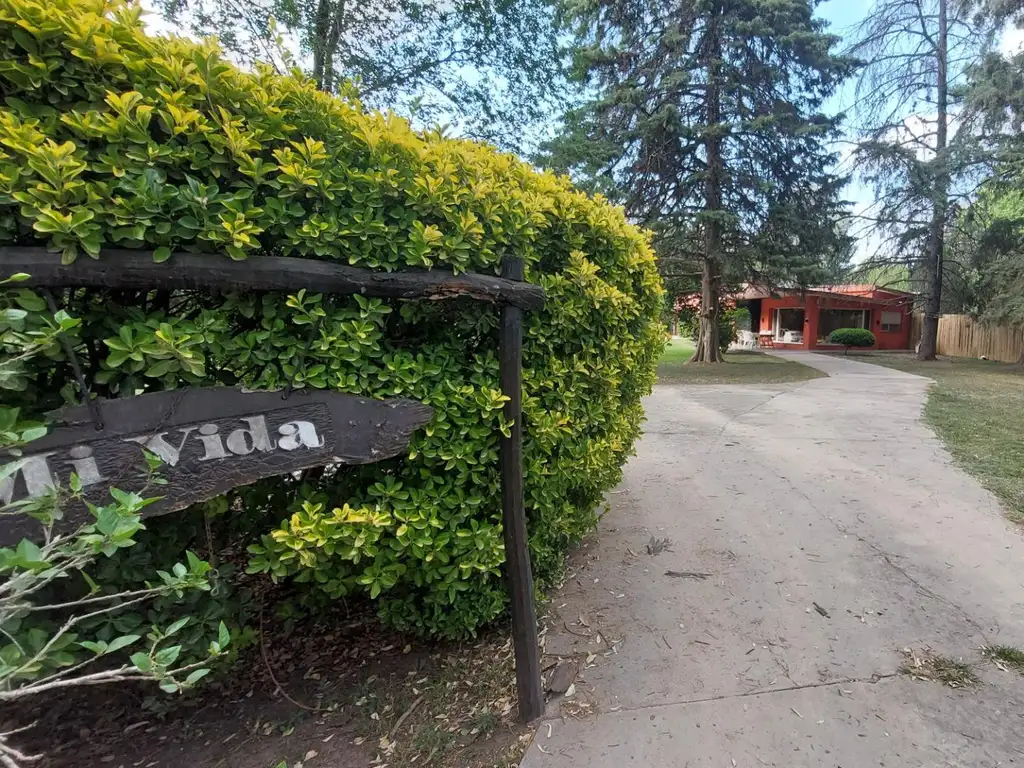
210	440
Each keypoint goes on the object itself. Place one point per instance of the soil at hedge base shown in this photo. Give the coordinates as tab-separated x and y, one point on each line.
356	680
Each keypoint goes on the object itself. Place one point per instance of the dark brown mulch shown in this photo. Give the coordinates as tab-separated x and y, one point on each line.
358	678
240	719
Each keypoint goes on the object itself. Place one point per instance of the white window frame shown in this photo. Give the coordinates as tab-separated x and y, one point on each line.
777	332
891	327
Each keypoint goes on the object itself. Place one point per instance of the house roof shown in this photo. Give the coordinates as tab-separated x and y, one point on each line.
865	292
861	289
879	297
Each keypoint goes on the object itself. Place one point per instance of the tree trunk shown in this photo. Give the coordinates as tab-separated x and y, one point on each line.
327	28
337	24
707	334
940	198
321	31
708	350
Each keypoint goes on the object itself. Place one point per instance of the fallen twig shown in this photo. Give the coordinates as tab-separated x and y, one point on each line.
574	632
11	757
689	575
270	671
404	717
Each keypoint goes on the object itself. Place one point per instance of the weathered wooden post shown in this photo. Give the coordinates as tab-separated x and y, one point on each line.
513	512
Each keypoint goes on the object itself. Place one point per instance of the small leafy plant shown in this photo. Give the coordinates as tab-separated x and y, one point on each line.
45	646
51	611
852	337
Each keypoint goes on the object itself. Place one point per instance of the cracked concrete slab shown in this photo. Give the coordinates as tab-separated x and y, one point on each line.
829	494
849	725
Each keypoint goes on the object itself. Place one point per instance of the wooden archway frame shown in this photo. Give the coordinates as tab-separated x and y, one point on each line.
119	269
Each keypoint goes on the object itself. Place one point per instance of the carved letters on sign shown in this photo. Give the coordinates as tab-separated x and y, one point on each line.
209	440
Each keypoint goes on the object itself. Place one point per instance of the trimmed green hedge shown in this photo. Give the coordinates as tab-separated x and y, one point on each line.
111	138
852	337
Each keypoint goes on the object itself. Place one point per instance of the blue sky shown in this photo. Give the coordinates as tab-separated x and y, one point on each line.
842	15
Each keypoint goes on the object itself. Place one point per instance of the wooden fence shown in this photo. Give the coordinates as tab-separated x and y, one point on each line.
961	336
916	328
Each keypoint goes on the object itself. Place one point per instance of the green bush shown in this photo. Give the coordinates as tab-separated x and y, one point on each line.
737	318
852	337
687	323
113	139
729	322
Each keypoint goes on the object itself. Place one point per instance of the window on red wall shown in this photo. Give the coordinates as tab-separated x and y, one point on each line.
891	321
833	319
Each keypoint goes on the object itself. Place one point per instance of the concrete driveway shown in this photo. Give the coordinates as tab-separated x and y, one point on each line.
780	501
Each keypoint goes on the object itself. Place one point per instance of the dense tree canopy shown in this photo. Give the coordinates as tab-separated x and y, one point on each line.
493	67
706	120
988	240
990	248
913	151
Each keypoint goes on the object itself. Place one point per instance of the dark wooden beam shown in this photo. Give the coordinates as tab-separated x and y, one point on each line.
119	269
513	512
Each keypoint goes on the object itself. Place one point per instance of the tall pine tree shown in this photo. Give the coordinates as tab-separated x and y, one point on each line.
913	150
707	118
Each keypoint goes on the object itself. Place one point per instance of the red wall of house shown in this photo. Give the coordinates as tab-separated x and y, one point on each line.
891	339
812	305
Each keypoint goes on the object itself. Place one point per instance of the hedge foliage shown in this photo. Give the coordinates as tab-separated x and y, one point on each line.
852	337
111	138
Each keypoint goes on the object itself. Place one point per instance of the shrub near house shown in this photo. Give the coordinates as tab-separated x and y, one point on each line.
113	139
852	337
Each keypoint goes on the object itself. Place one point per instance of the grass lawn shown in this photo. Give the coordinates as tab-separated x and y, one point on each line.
977	408
739	368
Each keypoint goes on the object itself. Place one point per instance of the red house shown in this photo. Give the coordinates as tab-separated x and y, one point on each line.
795	319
